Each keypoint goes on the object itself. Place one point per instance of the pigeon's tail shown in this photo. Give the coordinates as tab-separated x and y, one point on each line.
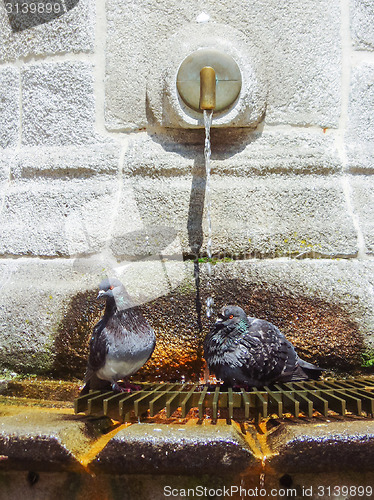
312	371
301	371
93	383
85	390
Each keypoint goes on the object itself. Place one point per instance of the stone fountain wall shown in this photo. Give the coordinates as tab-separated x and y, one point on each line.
99	177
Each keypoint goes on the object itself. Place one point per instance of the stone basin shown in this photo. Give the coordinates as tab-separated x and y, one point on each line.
48	452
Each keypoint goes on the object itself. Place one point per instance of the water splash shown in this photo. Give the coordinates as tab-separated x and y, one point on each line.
208	115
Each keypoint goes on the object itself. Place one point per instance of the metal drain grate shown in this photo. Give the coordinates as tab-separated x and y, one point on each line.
339	396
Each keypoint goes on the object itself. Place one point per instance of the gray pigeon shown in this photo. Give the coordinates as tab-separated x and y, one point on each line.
122	341
245	351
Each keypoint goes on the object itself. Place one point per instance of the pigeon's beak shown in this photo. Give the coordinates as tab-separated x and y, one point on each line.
219	322
101	294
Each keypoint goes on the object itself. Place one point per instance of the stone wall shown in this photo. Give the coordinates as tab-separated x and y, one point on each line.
100	174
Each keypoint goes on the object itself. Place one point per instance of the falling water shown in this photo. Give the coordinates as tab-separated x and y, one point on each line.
208	115
262	475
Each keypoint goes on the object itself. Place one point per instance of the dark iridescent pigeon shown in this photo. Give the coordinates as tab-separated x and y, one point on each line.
122	341
245	351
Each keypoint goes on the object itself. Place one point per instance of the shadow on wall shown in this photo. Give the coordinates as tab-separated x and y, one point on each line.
189	143
322	333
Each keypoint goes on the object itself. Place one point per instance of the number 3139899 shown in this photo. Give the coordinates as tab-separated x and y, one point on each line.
33	8
338	491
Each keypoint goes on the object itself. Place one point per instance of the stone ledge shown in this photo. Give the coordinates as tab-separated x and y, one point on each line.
46	439
58	162
53	439
238	153
174	449
324	447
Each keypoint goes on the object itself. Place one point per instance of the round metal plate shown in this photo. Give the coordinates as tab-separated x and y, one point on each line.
228	78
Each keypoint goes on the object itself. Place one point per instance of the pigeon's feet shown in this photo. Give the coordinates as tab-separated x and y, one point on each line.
125	387
132	387
117	388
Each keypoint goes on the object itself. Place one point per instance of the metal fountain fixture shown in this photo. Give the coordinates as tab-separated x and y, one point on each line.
209	79
207	88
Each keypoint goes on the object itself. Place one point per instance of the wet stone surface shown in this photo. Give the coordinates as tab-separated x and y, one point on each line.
40	389
45	436
174	449
324	447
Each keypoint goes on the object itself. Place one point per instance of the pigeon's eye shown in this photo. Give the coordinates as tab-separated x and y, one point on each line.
231	316
111	287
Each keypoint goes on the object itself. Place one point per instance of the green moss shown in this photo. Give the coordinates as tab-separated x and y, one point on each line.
214	260
368	359
186	287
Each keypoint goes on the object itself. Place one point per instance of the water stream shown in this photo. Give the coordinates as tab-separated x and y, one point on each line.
208	115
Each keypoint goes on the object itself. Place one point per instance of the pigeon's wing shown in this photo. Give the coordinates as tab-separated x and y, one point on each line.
250	356
278	355
287	366
152	349
98	349
235	361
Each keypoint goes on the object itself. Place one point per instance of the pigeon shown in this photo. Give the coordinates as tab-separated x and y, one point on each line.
122	341
251	352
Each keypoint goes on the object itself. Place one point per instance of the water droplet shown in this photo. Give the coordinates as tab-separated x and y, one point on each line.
262	481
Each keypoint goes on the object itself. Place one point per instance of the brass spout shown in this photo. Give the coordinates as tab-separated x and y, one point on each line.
207	88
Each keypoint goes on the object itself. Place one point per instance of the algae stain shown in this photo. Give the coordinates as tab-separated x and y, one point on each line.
85	458
259	443
260	448
71	343
253	443
262	435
